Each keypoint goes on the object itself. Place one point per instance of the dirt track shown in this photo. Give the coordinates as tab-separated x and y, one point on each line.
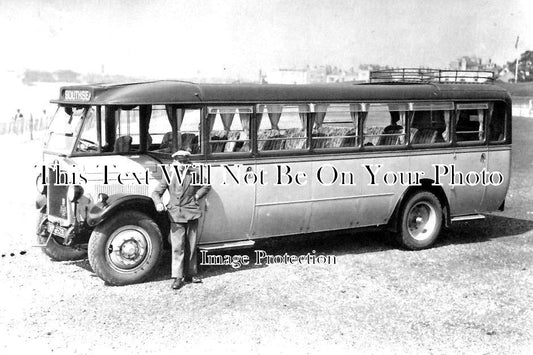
469	294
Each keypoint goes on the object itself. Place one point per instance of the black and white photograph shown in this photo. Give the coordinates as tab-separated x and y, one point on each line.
266	176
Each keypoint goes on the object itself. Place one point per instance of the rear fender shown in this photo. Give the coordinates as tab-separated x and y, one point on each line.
426	185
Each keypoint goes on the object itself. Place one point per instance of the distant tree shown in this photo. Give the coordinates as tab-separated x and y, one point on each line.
67	76
525	66
31	76
34	76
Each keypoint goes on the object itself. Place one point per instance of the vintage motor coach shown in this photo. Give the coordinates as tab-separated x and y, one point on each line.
411	151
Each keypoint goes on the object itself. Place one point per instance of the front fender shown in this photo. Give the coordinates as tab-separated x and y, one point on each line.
100	212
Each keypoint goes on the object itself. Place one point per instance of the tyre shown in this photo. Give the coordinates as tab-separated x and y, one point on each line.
126	248
54	248
421	221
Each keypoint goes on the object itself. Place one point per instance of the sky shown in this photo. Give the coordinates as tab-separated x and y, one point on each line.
173	39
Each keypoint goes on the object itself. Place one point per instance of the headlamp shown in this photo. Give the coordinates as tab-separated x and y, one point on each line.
41	188
74	193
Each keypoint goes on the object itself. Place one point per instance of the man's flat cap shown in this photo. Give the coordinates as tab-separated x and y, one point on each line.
181	153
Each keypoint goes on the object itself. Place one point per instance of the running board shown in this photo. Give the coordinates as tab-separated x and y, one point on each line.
230	245
469	217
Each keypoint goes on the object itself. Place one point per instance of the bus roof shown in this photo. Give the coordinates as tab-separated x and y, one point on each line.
181	92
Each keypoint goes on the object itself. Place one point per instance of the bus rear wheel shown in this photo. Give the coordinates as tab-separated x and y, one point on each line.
126	248
421	221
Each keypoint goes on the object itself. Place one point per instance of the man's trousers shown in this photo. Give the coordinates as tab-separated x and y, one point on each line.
183	241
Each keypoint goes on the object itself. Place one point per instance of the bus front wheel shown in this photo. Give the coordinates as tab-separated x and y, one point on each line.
126	248
421	221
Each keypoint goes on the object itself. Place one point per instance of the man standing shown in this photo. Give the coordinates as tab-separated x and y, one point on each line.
184	211
19	117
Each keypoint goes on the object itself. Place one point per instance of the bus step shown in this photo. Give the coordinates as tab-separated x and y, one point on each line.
469	217
230	245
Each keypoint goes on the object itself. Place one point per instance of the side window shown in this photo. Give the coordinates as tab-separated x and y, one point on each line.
384	124
229	129
160	130
188	127
470	122
497	123
335	125
430	123
282	127
127	135
88	141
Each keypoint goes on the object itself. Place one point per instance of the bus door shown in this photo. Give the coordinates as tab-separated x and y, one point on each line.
470	158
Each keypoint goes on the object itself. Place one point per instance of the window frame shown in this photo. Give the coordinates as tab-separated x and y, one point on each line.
280	152
204	134
363	121
432	106
358	138
507	117
471	105
207	138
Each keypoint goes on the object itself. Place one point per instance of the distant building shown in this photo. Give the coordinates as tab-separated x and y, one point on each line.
472	63
317	74
287	76
506	75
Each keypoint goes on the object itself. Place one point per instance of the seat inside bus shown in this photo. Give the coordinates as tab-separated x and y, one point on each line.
372	135
392	134
281	139
427	127
188	141
333	137
227	141
122	144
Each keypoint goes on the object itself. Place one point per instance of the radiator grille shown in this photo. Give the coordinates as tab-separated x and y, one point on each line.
57	197
122	189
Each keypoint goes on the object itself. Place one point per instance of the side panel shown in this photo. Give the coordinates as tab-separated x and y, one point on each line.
379	190
229	206
335	193
282	209
499	160
467	199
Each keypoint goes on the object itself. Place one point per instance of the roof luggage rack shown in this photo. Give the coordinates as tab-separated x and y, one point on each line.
423	75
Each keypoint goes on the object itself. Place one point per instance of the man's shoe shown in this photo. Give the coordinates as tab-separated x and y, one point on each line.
194	279
177	284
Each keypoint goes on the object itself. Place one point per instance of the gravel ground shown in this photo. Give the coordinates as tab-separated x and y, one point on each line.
469	294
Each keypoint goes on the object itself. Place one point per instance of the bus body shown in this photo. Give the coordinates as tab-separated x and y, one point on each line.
281	160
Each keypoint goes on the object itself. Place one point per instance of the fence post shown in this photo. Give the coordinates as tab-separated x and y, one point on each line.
31	127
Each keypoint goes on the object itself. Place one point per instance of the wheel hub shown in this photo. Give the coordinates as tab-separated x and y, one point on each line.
127	248
422	220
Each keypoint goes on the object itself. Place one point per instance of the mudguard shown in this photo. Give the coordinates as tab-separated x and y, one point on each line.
101	211
426	184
